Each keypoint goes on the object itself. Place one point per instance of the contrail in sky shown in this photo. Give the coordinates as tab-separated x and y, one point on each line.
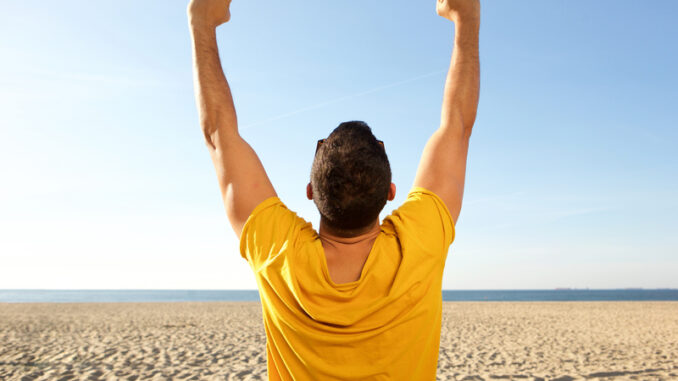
341	99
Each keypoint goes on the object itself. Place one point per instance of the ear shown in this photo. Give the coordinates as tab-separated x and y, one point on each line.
309	192
391	192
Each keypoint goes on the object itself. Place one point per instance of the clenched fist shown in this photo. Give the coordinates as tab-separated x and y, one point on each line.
459	10
209	13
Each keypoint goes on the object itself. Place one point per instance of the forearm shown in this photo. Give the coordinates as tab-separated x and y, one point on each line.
213	95
460	99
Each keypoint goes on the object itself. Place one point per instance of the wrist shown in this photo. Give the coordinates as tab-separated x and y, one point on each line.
467	16
470	18
467	26
198	25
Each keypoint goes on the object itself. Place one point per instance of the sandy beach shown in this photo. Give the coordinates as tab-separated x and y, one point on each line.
226	341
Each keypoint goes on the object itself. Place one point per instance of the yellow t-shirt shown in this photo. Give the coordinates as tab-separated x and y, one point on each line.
384	326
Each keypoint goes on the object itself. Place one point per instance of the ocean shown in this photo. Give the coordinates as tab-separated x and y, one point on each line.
139	296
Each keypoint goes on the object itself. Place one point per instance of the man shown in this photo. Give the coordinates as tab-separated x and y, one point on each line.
358	299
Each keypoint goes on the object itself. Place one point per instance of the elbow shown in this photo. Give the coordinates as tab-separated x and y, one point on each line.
459	124
468	117
208	132
466	132
467	126
219	137
209	142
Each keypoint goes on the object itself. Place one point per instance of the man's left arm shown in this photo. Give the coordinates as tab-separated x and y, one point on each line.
242	178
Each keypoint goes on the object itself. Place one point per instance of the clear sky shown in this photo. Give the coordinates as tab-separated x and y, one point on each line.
105	181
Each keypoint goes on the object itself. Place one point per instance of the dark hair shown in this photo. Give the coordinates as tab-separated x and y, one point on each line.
350	178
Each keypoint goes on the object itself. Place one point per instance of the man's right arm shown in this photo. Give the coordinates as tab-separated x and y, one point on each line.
442	168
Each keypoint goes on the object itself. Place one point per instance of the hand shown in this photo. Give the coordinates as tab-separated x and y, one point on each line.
209	13
459	10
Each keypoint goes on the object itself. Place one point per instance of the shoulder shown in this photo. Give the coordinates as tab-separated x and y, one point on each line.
422	219
421	203
271	229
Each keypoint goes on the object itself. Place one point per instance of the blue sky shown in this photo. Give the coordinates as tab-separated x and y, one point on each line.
106	182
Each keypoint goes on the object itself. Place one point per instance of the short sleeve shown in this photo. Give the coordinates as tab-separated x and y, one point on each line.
270	230
424	221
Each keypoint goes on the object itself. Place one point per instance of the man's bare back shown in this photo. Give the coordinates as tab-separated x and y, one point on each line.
345	257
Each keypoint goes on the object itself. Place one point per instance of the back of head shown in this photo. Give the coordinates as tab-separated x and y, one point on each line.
350	178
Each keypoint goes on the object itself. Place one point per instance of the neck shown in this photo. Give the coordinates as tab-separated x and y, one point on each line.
330	235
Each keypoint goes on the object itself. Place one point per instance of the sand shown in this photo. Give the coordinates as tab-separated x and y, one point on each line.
479	341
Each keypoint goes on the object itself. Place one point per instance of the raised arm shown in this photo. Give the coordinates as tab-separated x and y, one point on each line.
242	179
442	168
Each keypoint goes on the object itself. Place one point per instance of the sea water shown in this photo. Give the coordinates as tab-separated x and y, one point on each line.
111	296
